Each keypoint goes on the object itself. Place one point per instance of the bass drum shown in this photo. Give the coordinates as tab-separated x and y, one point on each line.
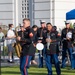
39	46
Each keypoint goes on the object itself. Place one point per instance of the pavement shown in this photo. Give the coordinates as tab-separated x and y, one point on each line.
4	61
17	60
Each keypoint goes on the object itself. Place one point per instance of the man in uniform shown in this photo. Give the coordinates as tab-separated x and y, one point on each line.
27	49
52	38
67	43
73	47
40	35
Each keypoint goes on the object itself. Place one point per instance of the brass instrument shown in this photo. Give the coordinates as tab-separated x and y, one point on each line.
17	45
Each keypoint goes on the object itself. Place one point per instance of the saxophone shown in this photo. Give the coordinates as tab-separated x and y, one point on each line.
17	45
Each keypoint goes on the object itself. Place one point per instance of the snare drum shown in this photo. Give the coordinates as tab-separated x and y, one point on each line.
39	46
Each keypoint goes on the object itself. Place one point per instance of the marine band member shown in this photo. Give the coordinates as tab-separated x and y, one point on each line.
51	52
27	48
67	43
40	35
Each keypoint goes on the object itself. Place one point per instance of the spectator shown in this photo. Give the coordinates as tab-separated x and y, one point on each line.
1	34
10	41
1	38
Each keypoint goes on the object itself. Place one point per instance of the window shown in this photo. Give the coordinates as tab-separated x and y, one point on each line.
22	12
22	16
28	16
25	16
27	11
25	8
22	8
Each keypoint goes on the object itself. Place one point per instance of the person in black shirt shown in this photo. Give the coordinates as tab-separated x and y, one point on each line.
67	40
58	44
27	49
40	36
34	39
52	38
73	45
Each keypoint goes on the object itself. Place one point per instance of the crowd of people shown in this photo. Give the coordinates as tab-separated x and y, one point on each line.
47	34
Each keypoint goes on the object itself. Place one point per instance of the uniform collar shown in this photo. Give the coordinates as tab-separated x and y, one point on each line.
27	27
43	28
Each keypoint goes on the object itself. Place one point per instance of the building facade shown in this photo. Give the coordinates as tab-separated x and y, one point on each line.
13	11
6	11
9	12
53	11
25	9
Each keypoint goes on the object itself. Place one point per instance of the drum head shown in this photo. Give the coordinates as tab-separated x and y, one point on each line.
39	46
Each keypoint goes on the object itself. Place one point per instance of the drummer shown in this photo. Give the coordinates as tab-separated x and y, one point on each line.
40	35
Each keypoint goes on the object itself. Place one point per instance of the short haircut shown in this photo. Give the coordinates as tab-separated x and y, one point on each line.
26	19
48	24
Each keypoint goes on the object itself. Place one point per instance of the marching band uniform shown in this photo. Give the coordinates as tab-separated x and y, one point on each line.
52	52
27	51
58	43
73	61
40	35
73	48
28	47
67	45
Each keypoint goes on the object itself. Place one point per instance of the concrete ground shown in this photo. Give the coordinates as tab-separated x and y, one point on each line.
16	60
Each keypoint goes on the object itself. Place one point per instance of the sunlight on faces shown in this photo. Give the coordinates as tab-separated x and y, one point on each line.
43	25
67	25
35	29
12	26
49	27
26	23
